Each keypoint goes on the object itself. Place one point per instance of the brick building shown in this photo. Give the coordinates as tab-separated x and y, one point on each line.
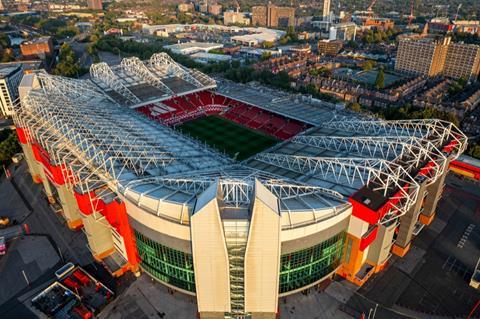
273	16
39	47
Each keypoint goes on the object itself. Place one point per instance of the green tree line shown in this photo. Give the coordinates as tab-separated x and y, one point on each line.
8	146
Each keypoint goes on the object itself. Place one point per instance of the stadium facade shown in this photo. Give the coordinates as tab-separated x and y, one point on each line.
336	195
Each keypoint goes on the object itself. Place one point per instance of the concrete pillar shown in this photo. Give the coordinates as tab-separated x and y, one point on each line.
212	275
70	208
379	250
47	187
407	223
353	256
434	192
33	166
99	236
262	256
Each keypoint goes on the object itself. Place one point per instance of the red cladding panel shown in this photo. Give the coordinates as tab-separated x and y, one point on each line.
449	147
368	239
367	214
116	214
362	212
426	169
41	155
83	201
22	135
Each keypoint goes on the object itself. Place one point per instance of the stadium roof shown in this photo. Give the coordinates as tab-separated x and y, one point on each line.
98	140
296	106
135	83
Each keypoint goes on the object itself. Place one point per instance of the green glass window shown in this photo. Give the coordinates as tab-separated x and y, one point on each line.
301	268
166	264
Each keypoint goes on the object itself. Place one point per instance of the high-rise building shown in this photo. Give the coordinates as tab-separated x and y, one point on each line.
273	16
423	56
345	31
462	61
431	57
95	4
10	77
259	15
326	10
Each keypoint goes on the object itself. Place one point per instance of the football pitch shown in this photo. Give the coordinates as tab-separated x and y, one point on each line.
227	136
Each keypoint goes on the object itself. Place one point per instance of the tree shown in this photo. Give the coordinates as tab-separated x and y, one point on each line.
267	44
67	62
474	151
8	147
380	80
367	66
8	55
354	107
266	56
4	41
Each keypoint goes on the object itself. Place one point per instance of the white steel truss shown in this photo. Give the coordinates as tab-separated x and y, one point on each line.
380	175
235	192
409	152
436	131
135	66
163	63
103	73
97	142
93	139
75	88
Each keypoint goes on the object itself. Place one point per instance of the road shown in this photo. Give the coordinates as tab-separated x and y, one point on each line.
41	219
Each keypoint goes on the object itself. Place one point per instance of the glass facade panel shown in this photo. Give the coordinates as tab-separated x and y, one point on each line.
166	264
301	268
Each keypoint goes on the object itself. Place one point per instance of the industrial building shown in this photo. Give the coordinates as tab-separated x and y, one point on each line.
336	194
188	48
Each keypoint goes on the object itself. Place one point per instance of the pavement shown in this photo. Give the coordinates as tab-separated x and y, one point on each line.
27	260
148	299
27	203
431	281
31	261
109	58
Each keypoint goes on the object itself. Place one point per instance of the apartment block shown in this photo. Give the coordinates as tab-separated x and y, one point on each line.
433	57
462	61
273	16
10	77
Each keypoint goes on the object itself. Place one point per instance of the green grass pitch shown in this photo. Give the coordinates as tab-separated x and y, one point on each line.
227	136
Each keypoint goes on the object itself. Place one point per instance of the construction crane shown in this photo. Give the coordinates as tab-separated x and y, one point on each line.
456	14
370	8
410	17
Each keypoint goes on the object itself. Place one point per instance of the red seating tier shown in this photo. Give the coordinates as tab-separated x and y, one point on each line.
202	103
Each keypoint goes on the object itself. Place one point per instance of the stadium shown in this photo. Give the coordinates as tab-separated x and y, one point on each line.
236	194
